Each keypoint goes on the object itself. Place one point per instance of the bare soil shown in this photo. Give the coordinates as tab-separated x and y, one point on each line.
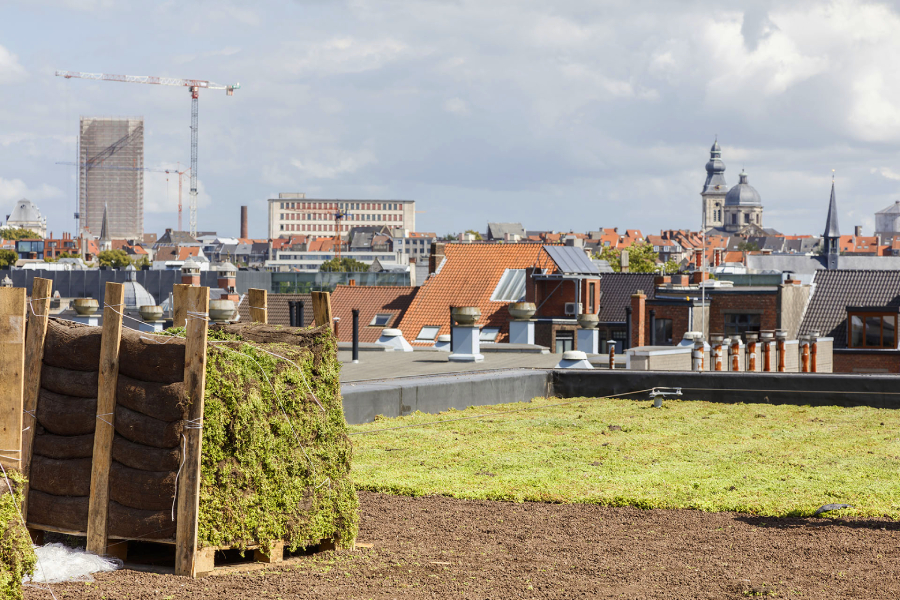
436	547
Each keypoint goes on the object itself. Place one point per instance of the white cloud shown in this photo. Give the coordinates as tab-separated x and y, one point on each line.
887	173
456	106
227	51
344	54
161	196
12	190
338	162
11	71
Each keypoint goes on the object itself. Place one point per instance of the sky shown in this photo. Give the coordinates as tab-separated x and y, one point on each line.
564	115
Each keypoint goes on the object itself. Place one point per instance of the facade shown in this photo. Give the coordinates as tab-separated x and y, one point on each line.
27	216
293	214
111	162
414	243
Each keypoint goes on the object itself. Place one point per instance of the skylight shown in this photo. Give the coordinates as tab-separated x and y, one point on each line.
511	287
381	320
428	333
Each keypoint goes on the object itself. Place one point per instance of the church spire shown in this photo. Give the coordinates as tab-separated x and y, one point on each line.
832	235
105	241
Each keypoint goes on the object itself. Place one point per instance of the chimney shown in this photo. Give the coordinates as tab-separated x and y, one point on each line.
717	253
638	306
244	233
698	258
190	273
623	260
857	231
436	256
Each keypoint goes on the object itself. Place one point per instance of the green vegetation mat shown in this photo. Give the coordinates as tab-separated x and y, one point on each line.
276	459
757	458
17	556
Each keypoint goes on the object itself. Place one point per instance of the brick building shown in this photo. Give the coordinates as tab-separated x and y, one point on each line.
860	310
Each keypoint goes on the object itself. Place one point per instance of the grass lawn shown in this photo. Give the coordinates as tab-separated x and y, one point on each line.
758	458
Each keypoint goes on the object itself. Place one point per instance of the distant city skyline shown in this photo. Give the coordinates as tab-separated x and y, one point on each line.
571	116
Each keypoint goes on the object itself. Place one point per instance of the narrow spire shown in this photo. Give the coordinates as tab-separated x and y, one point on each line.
104	225
831	223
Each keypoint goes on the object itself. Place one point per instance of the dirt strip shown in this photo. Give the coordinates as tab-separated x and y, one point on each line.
440	548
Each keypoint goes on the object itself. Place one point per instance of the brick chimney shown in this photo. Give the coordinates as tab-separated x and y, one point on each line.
437	255
638	316
698	257
244	233
190	272
717	254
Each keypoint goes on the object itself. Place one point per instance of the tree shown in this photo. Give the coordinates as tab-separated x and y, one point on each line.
345	265
8	258
18	233
52	259
143	261
114	258
641	259
477	235
747	246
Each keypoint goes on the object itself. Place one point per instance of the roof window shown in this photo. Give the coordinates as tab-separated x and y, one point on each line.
381	320
489	334
428	333
511	287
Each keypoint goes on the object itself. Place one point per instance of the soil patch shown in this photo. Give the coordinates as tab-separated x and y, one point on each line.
437	547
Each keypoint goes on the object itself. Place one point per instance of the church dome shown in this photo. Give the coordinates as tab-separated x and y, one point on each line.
25	212
743	194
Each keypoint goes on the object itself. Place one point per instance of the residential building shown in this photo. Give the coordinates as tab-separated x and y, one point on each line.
174	257
887	222
293	213
416	244
26	215
509	232
859	309
379	308
111	161
53	247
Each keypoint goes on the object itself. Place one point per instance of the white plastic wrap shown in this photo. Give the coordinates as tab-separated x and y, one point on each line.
57	563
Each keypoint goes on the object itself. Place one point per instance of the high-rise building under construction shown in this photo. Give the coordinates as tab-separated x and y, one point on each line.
111	176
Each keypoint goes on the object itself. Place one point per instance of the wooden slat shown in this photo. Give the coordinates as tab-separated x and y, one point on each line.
12	374
179	304
322	309
98	506
187	560
259	308
35	333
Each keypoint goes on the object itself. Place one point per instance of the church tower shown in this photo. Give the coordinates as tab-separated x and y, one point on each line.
714	189
832	236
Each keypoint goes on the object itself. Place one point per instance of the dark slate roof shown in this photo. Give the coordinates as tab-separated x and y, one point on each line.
831	223
836	290
570	259
497	231
617	289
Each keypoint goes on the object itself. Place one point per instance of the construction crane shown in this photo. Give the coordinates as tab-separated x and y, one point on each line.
178	172
339	216
194	85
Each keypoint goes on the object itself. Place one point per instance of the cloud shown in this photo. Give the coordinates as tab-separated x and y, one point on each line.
12	190
337	163
227	51
456	106
341	55
11	71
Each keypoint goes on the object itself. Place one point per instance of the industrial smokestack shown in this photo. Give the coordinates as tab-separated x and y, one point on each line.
244	222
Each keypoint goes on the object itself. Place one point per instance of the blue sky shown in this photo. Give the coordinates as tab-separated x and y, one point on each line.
564	115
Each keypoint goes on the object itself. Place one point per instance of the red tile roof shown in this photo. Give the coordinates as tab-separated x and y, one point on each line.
469	274
370	300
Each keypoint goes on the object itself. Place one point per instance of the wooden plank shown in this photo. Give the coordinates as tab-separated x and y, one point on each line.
206	561
35	333
259	307
179	304
98	502
276	556
12	374
186	557
322	309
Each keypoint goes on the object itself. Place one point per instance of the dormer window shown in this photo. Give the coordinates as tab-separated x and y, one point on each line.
872	327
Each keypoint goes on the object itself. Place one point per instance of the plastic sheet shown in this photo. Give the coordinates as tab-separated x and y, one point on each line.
57	563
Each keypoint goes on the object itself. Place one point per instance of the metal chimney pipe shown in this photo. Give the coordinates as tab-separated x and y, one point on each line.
300	315
355	312
292	312
652	327
627	343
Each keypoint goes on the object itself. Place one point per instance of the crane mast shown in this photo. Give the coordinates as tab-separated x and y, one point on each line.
194	85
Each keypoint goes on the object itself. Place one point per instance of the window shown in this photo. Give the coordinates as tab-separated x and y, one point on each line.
740	323
489	334
381	320
565	341
873	330
663	332
511	287
591	297
428	333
